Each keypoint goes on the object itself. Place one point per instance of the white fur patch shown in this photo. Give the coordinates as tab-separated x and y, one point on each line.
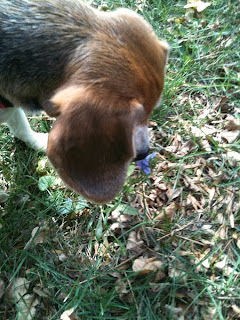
16	120
141	139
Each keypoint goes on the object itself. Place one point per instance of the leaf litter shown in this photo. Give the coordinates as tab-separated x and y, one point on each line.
187	181
194	181
17	293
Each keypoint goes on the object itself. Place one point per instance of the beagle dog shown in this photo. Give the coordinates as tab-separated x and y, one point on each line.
100	74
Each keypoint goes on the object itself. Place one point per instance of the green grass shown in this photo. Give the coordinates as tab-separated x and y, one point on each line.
83	262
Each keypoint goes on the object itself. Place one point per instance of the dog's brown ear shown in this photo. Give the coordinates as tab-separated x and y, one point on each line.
91	148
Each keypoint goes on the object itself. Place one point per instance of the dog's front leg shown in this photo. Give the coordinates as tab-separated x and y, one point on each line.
19	125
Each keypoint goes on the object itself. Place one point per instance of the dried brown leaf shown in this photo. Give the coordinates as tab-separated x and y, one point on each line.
204	131
119	216
223	105
206	145
231	220
238	243
2	288
161	186
185	148
174	193
26	307
62	257
134	243
203	259
121	287
69	315
145	265
222	232
133	240
39	235
236	206
43	293
116	226
176	312
233	157
208	312
177	140
165	166
176	144
224	266
160	275
171	149
177	269
191	184
233	125
168	213
17	289
3	196
221	264
236	310
211	193
25	303
229	136
115	274
194	202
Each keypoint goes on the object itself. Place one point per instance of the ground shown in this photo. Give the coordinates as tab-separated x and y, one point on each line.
168	247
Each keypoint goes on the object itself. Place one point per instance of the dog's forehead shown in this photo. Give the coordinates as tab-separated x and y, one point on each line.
135	31
150	54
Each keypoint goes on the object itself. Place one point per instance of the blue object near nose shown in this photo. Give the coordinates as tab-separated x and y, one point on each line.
144	163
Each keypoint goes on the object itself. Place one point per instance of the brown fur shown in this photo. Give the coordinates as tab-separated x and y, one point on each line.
111	80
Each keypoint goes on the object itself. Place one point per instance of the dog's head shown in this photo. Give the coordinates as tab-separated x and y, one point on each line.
102	112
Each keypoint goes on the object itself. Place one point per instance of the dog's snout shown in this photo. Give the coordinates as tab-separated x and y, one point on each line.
141	142
142	155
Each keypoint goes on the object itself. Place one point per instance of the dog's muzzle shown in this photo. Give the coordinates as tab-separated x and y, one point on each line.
141	142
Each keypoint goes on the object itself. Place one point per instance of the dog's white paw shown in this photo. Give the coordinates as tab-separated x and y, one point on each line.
38	141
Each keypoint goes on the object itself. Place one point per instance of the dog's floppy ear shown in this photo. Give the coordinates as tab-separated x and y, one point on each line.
91	146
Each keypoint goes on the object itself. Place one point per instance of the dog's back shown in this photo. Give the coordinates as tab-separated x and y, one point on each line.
37	40
44	42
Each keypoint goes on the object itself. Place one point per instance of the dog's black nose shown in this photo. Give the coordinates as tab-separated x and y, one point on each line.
142	155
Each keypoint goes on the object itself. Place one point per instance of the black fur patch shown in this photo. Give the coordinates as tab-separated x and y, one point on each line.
6	102
37	41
